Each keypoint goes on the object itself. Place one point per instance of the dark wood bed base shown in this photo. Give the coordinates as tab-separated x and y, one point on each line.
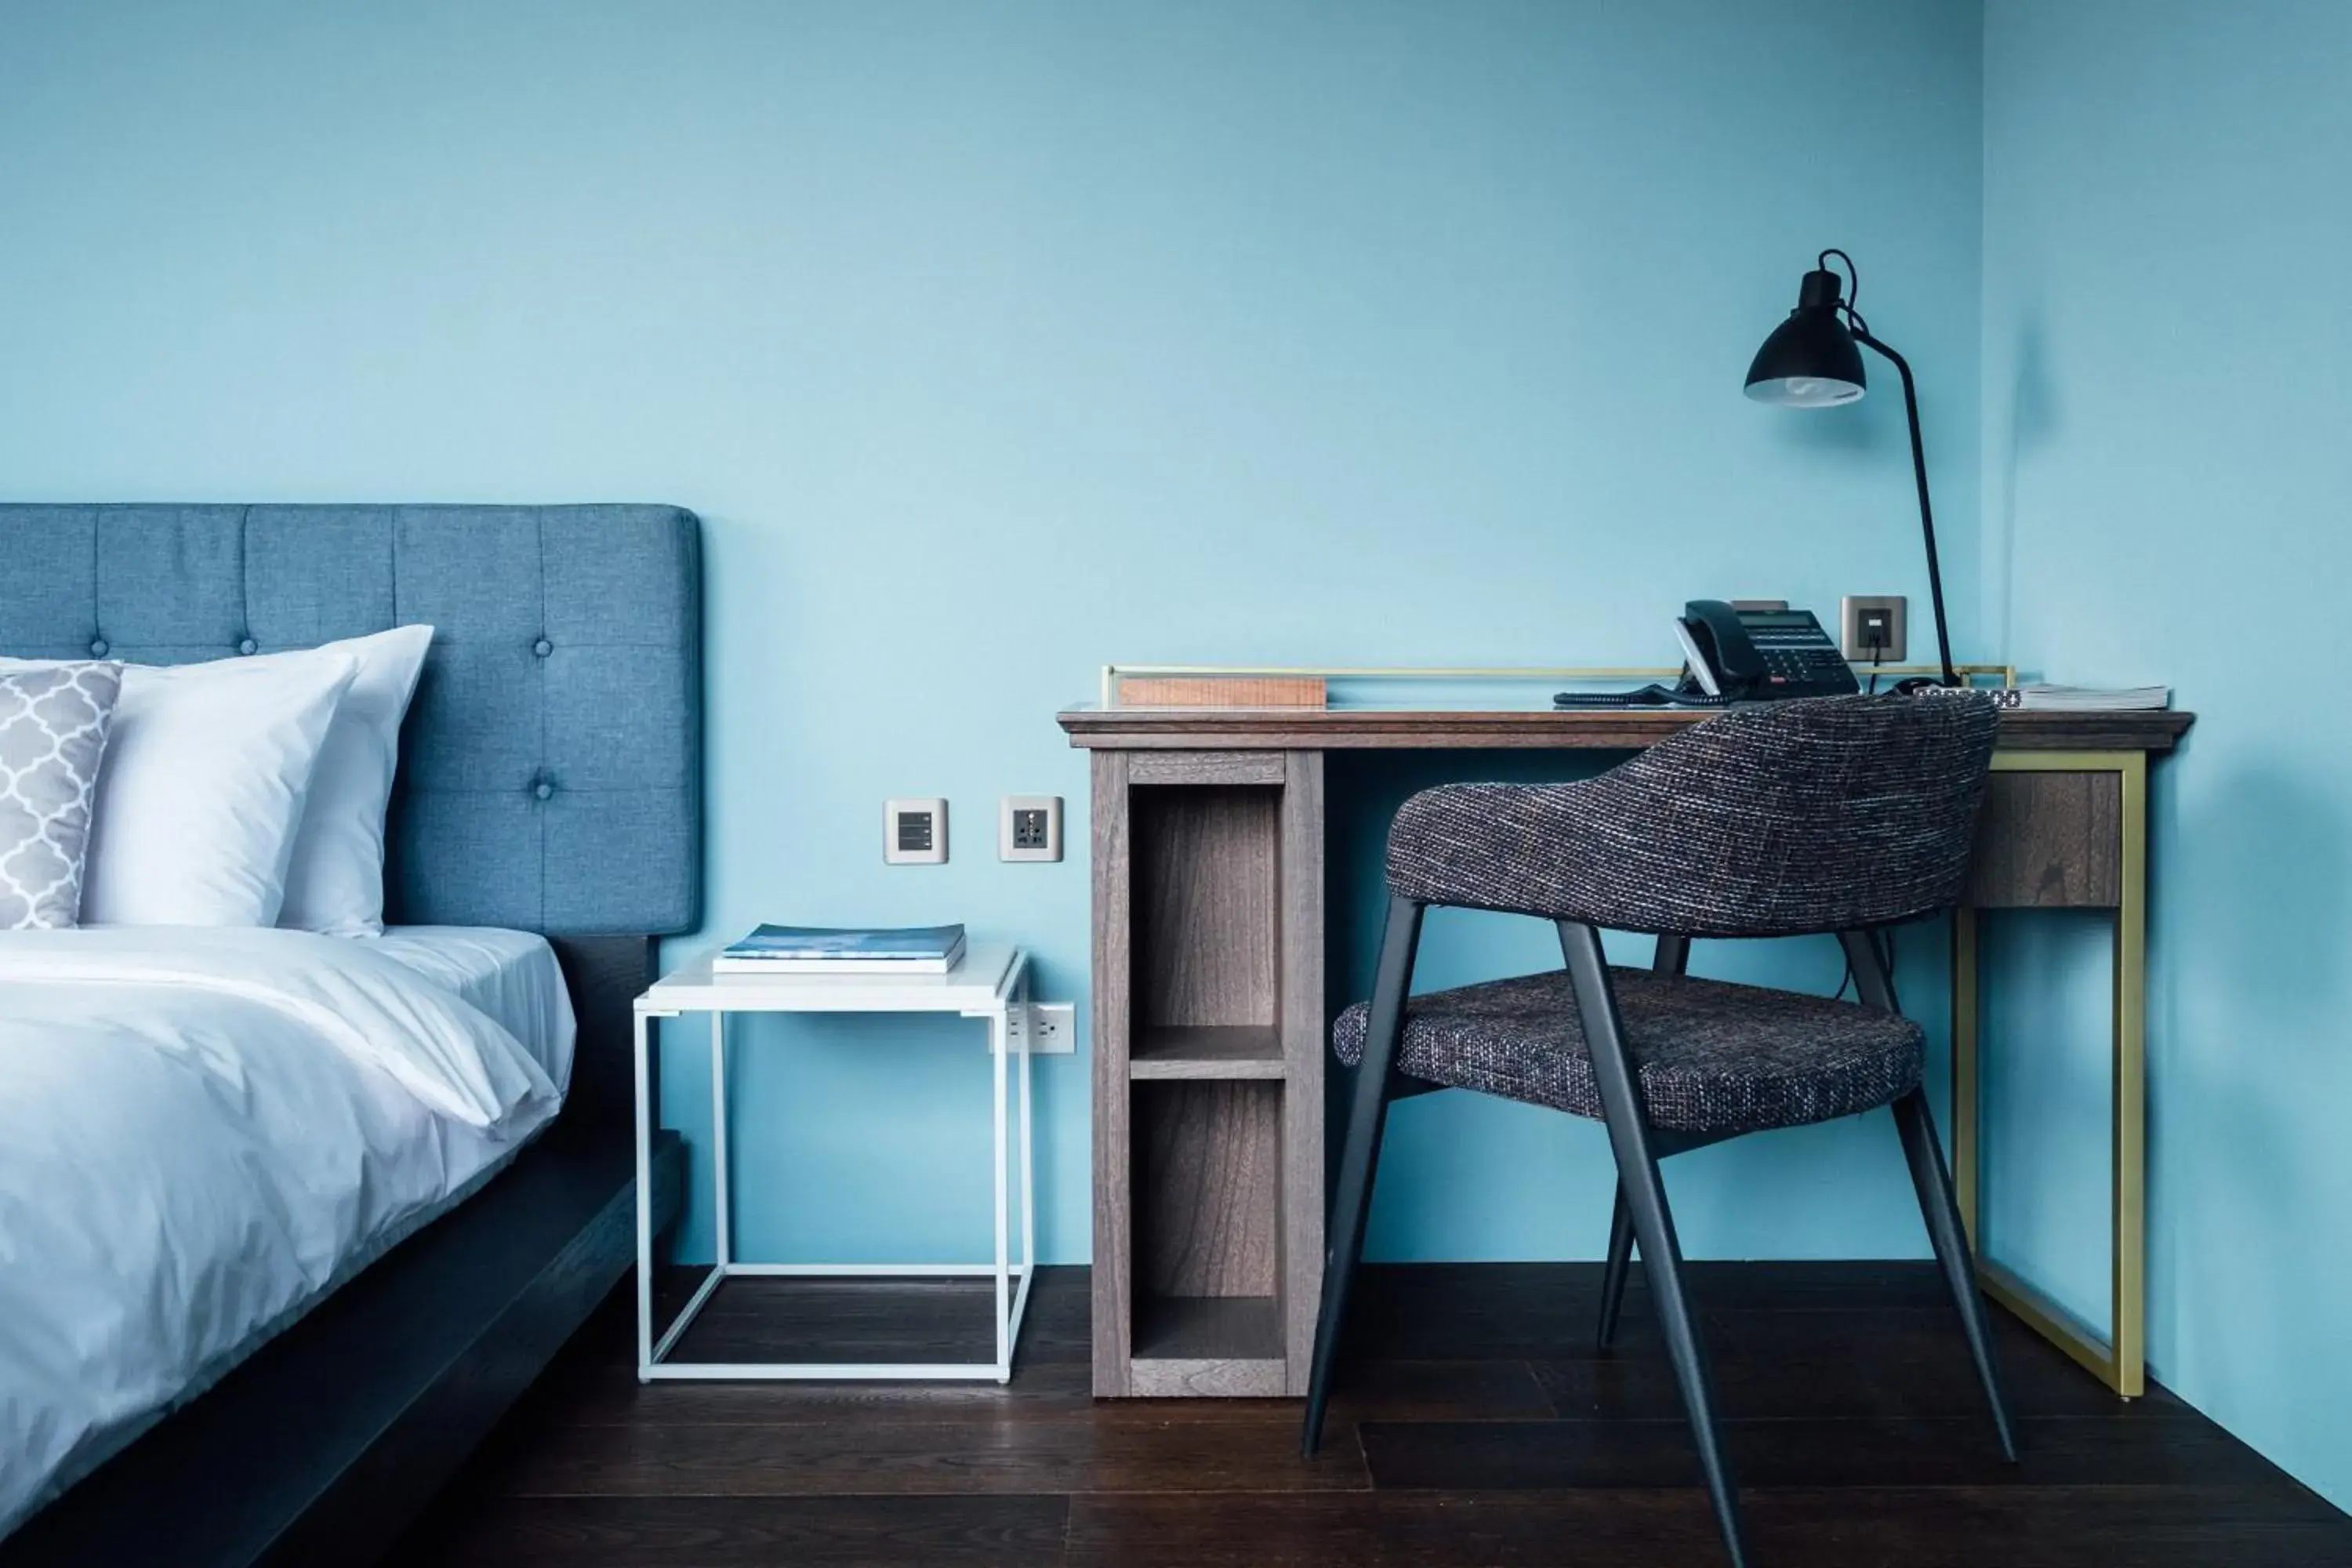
323	1445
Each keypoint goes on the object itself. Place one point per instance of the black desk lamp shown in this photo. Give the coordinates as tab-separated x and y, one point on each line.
1811	362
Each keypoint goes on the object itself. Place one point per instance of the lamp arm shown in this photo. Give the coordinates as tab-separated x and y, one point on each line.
1919	473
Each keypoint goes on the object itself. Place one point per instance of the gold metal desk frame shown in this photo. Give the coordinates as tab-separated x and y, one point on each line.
2066	826
2118	1361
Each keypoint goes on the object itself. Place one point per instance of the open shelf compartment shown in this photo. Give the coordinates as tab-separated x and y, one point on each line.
1208	1237
1208	1055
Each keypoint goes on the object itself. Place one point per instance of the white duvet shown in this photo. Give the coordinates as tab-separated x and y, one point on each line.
202	1131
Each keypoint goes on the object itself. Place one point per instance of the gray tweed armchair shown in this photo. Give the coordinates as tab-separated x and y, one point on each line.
1834	815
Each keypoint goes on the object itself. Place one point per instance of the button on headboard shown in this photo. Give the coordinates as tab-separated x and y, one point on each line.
550	768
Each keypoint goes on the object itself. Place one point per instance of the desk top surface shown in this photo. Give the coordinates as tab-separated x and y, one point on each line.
1534	729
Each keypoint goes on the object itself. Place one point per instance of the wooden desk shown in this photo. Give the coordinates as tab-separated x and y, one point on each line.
1209	1023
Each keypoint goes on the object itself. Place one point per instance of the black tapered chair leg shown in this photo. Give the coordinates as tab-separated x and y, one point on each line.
1359	1154
1654	1224
1672	957
1933	1182
1942	1212
1613	1275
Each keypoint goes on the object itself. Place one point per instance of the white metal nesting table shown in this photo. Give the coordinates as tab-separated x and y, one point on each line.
991	983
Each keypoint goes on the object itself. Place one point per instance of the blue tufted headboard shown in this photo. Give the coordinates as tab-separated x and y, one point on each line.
551	767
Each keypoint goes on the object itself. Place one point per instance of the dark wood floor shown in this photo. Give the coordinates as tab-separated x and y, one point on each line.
1475	1426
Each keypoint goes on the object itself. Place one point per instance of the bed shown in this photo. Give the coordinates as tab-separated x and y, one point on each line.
289	1337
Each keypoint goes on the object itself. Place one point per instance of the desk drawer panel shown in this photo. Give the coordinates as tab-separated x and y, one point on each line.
1205	768
2049	841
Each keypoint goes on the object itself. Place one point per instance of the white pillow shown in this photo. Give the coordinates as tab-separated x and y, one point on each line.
334	884
206	767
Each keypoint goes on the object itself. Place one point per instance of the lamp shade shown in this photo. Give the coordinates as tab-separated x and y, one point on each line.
1811	361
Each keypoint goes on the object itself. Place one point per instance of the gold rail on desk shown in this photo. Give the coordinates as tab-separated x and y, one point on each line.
1112	674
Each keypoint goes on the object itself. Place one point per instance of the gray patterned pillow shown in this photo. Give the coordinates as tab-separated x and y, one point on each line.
52	736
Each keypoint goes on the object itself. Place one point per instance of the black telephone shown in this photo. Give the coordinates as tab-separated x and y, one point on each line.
1738	654
1751	654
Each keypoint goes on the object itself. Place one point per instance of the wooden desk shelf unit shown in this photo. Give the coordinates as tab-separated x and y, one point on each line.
1208	996
1208	1070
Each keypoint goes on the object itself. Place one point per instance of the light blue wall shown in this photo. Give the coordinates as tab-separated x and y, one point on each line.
996	342
2168	479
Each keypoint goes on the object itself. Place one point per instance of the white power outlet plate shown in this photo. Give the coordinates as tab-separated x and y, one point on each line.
1029	827
1056	1025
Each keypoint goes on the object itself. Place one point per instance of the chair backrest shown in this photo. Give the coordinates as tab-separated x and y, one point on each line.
1826	814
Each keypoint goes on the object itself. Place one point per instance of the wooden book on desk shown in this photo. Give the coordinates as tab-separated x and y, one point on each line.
1221	691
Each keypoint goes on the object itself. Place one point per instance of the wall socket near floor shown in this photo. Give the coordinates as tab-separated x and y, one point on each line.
1029	827
1056	1026
1871	628
915	832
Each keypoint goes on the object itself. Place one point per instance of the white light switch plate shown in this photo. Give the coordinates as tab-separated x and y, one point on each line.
915	832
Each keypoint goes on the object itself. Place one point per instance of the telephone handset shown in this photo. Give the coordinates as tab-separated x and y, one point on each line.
1740	654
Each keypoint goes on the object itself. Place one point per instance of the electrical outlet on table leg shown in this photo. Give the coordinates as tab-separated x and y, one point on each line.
1053	1028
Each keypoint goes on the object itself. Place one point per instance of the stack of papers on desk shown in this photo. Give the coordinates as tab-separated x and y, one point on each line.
2090	698
812	949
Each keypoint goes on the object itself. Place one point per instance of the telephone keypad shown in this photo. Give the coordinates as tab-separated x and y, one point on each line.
1797	657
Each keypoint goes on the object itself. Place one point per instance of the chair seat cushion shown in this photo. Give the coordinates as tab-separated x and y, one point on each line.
1713	1056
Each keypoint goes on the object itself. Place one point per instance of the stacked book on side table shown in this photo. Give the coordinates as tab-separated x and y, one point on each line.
814	949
